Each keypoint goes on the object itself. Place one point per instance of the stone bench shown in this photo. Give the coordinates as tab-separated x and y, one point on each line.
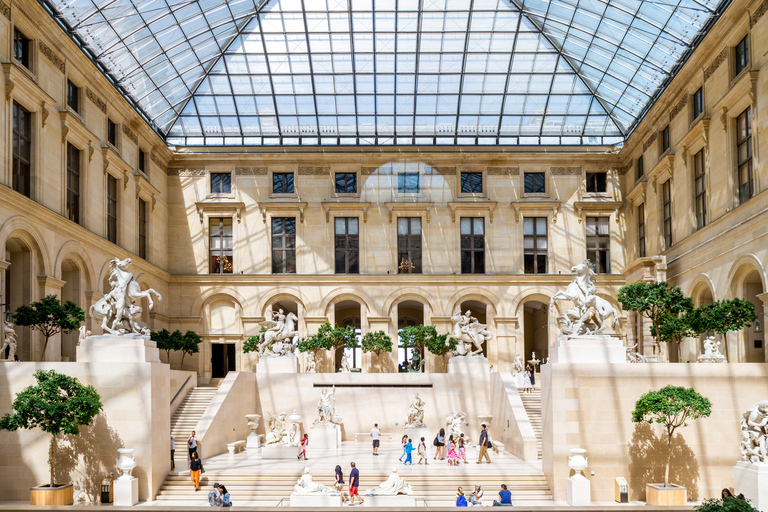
361	437
235	447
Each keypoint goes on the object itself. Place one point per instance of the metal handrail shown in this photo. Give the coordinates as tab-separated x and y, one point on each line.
181	389
280	503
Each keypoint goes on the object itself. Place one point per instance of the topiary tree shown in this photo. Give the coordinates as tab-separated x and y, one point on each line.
50	317
722	317
729	504
167	341
376	341
672	407
329	337
190	344
58	404
423	337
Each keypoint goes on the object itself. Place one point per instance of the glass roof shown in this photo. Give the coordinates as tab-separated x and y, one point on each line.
309	72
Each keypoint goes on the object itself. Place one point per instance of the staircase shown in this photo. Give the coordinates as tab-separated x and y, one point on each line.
186	417
532	404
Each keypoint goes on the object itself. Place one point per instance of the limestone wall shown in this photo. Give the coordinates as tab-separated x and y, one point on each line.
509	412
224	420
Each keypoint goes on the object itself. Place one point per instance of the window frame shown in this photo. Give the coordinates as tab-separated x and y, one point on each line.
283	177
641	249
664	140
223	251
741	49
73	96
22	42
666	212
471	175
110	126
697	103
404	247
699	190
142	161
598	250
285	248
18	160
404	185
112	208
73	203
218	176
534	251
476	255
745	191
640	170
143	228
533	190
351	251
347	183
596	191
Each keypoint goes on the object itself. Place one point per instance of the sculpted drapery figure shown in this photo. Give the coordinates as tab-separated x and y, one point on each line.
454	422
392	486
468	333
345	364
416	412
9	342
280	430
519	365
754	434
712	352
326	408
116	309
311	362
590	313
278	339
305	485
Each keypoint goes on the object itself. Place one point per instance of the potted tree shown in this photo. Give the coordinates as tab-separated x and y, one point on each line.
50	317
424	337
187	343
58	404
377	342
722	317
329	337
672	407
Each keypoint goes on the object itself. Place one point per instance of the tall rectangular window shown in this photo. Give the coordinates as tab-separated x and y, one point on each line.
597	182
700	190
142	161
22	150
73	96
471	183
409	245
665	139
111	209
112	132
535	245
640	168
282	183
698	102
599	244
666	201
742	54
346	183
641	231
220	244
744	151
142	228
534	182
221	183
283	245
472	245
21	48
408	182
73	183
347	245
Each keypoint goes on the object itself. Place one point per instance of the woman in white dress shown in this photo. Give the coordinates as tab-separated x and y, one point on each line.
527	380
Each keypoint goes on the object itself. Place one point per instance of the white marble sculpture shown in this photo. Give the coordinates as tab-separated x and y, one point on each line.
754	434
10	342
392	486
306	486
345	364
117	311
82	334
311	361
634	357
454	422
712	352
590	313
278	339
468	333
416	413
518	366
326	409
282	429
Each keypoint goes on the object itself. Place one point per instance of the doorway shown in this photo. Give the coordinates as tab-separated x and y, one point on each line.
222	359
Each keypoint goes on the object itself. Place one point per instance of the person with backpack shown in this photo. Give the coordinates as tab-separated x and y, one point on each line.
439	443
485	443
214	495
461	500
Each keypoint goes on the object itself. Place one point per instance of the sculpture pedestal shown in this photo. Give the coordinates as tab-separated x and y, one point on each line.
390	502
126	492
325	437
316	500
589	349
579	491
416	433
253	441
752	480
130	348
475	365
718	358
287	364
279	451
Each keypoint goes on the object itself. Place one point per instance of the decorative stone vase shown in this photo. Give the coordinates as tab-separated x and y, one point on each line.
252	441
577	461
485	419
125	463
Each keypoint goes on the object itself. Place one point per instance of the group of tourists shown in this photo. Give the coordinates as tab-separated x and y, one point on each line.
475	498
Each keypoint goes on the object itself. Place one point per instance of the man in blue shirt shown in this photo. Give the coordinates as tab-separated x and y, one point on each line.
505	497
354	483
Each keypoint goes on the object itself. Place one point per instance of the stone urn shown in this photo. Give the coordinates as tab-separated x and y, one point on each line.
577	461
485	419
252	441
125	463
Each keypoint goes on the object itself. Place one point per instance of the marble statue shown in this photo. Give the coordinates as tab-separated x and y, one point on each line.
634	357
518	366
117	311
345	364
416	413
468	333
82	334
282	430
454	423
306	486
326	410
278	339
311	361
392	486
754	434
712	352
9	342
590	313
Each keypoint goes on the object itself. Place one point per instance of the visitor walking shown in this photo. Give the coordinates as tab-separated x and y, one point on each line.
453	457
354	483
527	379
403	441
476	496
338	484
224	499
533	377
484	443
505	497
409	453
192	444
422	451
173	451
439	443
375	435
195	467
462	448
303	447
461	500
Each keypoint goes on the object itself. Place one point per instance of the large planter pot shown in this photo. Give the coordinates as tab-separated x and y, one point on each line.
51	496
672	496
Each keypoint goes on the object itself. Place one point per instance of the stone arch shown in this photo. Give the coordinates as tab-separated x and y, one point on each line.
537	295
73	250
741	268
211	294
283	294
409	293
342	294
700	285
228	296
24	230
477	294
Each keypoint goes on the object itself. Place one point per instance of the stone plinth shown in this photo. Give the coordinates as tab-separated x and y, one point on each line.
316	500
126	492
390	502
287	364
416	433
752	480
579	491
325	437
588	349
130	348
474	365
279	451
712	358
253	441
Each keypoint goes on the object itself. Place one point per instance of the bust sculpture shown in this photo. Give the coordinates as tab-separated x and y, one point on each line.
590	313
712	352
754	434
469	335
278	339
416	412
305	485
392	486
117	311
326	411
9	342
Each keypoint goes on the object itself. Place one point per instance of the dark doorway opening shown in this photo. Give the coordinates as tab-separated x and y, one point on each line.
222	359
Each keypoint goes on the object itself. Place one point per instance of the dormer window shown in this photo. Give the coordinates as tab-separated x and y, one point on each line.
21	48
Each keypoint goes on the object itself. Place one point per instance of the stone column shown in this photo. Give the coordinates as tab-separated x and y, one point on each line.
312	325
394	314
91	297
3	299
492	348
764	299
439	364
506	343
383	362
49	285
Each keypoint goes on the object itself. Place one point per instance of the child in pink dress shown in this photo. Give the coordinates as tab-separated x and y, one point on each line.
462	449
303	448
453	457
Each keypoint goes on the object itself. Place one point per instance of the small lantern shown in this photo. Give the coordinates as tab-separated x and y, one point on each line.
106	490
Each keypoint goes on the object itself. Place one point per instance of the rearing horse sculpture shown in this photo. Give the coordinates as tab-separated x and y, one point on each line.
590	312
